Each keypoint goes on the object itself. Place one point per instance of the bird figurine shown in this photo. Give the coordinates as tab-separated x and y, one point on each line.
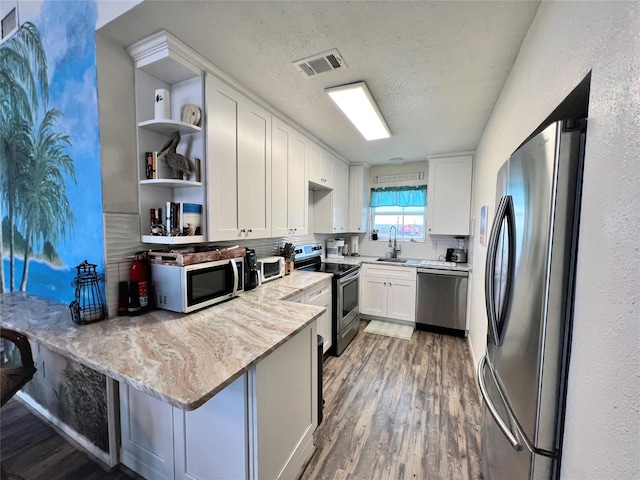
178	162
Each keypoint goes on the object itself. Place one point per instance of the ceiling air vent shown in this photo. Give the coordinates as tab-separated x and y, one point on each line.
320	63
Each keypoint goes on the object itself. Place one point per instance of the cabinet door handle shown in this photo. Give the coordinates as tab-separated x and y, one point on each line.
242	231
250	230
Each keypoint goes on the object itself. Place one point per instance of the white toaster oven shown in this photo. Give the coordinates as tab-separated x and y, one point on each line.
270	268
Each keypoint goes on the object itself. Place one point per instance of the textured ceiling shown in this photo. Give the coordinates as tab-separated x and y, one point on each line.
434	68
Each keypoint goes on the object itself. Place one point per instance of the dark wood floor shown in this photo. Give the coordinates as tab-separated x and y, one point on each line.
398	409
395	409
30	448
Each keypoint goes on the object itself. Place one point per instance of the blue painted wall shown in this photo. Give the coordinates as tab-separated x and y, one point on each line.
67	33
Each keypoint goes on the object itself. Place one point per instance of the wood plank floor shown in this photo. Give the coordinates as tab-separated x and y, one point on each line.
395	409
398	409
31	449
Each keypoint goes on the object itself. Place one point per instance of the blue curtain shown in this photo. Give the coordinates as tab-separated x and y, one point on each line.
411	196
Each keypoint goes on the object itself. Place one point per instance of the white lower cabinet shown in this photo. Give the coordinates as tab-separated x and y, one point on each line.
211	441
163	442
260	426
388	291
146	434
284	412
322	296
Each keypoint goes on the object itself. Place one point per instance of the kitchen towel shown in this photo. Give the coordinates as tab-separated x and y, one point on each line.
389	329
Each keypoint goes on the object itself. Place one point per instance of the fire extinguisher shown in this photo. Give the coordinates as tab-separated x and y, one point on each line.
138	274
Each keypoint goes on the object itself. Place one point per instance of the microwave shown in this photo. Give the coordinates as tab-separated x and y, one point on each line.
191	287
270	268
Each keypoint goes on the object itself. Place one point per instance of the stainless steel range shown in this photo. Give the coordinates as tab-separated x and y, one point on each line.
345	289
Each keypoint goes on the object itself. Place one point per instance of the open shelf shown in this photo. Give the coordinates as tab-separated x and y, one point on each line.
180	240
163	62
167	127
170	182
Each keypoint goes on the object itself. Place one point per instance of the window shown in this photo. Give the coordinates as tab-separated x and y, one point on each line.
409	222
400	207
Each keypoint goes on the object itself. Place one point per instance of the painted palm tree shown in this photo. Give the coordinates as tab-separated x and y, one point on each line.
23	86
44	208
14	155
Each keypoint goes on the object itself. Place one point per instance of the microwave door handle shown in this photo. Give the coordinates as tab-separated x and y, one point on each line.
492	409
235	276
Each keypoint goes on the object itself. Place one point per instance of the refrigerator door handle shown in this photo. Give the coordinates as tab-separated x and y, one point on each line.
489	280
492	409
505	212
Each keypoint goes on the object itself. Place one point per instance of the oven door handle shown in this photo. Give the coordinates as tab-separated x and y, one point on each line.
352	276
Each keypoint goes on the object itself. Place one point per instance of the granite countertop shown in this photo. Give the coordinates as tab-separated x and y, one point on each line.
183	359
435	264
413	262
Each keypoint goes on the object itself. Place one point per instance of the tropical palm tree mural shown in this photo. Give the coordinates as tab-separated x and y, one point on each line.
33	161
45	209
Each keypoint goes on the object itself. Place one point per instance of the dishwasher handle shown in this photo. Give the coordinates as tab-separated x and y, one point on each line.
448	273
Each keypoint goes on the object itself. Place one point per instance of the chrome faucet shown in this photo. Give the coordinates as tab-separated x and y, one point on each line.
394	246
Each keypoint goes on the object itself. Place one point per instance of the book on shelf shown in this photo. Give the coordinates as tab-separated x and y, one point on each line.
155	216
168	217
151	165
196	167
191	219
148	161
173	217
183	218
154	165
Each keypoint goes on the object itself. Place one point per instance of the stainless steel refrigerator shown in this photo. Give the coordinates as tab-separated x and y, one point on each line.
529	288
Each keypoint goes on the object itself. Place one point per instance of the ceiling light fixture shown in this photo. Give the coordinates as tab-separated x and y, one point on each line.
396	160
357	103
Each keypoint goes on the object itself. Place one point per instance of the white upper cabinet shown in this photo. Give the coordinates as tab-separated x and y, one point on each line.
254	168
330	206
289	181
449	195
162	62
358	198
320	167
239	174
341	191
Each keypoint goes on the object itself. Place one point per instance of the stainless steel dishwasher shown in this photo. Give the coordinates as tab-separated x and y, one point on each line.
442	301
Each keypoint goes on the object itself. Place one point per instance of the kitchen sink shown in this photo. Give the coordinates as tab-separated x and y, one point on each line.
394	260
408	261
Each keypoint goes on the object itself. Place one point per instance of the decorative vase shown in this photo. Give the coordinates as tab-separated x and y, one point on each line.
163	104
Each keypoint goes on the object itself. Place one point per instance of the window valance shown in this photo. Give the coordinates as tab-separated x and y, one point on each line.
407	196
